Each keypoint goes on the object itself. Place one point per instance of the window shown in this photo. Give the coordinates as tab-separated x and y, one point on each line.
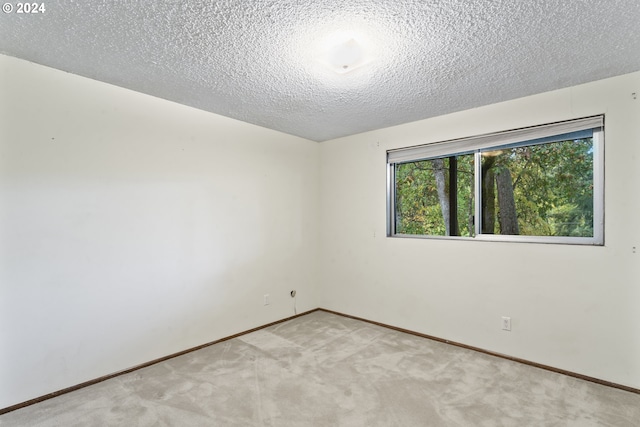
540	184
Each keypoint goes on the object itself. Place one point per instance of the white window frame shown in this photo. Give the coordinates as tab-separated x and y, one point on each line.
494	141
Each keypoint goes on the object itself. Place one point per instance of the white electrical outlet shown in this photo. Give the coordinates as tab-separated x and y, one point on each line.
506	323
266	299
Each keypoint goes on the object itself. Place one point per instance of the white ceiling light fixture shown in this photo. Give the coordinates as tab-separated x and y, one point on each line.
345	52
346	57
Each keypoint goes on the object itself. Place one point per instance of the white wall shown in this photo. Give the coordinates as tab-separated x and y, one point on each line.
132	227
572	307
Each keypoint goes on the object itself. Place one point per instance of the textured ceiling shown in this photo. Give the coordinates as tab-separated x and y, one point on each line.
264	62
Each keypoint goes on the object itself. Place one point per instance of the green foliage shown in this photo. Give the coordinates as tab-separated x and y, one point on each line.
552	188
418	208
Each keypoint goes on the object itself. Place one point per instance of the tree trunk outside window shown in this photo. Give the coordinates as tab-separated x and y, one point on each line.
488	196
438	170
506	202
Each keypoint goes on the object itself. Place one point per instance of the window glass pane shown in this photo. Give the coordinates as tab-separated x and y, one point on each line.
542	184
539	190
430	200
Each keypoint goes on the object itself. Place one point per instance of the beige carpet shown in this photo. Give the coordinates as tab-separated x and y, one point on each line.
327	370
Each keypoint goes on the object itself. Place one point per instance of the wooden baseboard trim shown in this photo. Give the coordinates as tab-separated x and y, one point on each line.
407	331
143	365
492	353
